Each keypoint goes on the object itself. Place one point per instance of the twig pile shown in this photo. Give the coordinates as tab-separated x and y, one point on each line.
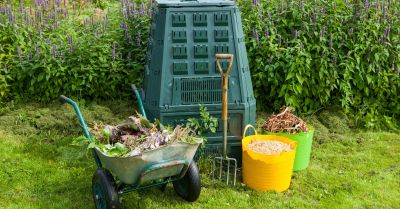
285	122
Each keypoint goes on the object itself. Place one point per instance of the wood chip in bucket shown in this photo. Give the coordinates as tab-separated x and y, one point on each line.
268	147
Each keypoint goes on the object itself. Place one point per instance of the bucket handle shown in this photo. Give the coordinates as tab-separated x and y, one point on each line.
247	127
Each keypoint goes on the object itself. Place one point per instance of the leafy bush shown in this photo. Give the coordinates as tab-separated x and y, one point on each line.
79	50
305	54
311	54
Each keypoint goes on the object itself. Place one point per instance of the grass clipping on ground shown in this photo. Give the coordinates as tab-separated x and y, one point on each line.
285	122
137	135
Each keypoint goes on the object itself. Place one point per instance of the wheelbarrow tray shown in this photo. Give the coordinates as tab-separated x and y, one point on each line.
165	161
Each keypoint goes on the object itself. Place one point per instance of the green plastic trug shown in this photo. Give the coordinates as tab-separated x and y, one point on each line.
303	150
181	68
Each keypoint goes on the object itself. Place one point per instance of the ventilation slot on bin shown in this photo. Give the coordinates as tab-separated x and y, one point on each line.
200	90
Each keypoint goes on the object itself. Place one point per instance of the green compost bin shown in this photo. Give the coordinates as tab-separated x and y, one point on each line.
181	73
303	150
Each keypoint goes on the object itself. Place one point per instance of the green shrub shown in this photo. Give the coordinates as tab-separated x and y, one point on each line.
305	54
311	54
68	49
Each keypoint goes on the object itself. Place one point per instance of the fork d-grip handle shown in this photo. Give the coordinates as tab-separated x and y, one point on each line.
225	79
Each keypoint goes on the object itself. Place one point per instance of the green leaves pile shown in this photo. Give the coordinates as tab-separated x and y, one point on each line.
135	136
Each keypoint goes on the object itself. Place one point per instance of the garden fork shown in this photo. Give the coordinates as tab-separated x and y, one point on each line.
225	159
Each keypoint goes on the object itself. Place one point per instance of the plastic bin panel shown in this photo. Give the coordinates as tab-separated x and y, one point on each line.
200	51
178	20
200	19
179	52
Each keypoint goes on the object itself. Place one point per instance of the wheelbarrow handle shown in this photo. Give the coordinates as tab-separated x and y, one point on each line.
139	100
79	114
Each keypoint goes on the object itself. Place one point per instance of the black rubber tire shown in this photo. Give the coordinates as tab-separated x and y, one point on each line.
189	186
103	183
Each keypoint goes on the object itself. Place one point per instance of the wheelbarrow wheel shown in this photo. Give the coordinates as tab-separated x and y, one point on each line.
105	195
189	186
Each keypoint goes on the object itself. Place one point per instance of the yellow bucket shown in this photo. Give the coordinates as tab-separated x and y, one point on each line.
267	172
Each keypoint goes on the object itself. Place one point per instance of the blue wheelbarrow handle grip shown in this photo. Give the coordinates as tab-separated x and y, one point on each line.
62	97
79	114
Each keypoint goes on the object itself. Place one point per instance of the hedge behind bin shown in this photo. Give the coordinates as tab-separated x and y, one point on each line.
267	172
304	144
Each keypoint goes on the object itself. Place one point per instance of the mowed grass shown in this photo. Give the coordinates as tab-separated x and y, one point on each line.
39	168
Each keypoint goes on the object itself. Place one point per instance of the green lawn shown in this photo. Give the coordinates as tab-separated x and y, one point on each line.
40	169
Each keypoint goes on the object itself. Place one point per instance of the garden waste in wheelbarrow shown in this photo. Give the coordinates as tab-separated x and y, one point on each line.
156	167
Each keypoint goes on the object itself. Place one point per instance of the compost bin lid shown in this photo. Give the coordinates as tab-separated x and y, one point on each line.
194	3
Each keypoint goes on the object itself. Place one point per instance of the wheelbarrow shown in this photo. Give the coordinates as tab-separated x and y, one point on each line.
116	176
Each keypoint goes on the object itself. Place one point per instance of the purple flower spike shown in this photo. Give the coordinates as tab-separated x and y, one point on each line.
37	50
91	21
128	7
387	32
322	33
70	40
255	36
40	17
266	32
294	34
279	41
142	9
315	17
331	41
